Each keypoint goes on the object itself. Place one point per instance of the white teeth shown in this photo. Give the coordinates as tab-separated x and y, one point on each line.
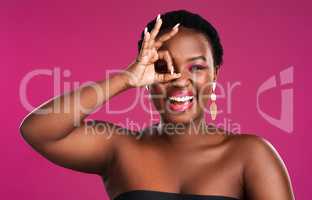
181	99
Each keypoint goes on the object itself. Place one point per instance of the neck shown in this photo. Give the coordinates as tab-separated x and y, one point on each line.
185	134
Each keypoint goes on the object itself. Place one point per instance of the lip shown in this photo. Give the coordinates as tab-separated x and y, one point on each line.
180	93
181	107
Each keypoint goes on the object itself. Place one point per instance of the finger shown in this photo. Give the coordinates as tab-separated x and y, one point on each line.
166	77
156	28
142	57
146	39
155	56
155	31
166	56
166	36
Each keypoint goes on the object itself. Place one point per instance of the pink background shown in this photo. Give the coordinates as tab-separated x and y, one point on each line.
260	39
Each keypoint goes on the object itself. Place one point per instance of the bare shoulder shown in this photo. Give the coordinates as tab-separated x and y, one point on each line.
118	137
122	136
126	140
256	149
251	143
253	149
263	165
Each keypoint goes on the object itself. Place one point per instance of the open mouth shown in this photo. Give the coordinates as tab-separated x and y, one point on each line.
180	103
181	100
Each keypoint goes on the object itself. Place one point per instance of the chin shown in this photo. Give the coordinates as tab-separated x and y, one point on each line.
183	116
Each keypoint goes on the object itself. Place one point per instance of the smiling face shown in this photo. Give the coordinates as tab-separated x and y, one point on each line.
192	57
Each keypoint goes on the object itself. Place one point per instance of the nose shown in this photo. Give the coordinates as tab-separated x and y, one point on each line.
184	80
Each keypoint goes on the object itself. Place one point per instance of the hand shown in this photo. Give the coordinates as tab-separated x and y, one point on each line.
142	71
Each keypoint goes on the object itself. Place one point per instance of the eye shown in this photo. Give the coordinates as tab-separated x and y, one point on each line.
196	67
161	66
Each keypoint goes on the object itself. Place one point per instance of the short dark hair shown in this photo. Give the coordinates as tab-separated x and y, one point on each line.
193	21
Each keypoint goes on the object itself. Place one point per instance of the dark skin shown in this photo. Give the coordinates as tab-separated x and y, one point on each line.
203	160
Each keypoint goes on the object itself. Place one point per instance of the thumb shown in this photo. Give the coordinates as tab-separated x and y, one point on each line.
166	77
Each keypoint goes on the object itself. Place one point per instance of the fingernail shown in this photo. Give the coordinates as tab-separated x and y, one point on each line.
172	69
176	26
158	17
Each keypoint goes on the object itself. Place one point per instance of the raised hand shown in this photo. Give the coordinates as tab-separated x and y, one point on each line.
142	71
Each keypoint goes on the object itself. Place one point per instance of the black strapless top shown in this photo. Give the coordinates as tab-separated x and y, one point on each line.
158	195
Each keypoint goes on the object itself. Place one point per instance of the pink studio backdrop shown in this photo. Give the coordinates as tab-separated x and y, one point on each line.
260	39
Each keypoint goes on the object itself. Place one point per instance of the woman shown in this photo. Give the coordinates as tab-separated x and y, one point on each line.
180	157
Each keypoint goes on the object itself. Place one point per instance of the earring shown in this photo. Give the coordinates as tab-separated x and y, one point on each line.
213	105
146	87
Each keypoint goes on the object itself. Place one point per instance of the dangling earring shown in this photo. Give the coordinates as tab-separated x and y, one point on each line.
213	105
146	87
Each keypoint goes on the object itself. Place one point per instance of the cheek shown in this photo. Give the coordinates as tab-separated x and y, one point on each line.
205	75
203	82
158	92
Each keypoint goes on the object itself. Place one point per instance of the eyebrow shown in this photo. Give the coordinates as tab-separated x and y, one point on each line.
197	57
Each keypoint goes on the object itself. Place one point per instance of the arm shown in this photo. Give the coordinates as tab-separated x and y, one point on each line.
89	148
81	147
265	173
